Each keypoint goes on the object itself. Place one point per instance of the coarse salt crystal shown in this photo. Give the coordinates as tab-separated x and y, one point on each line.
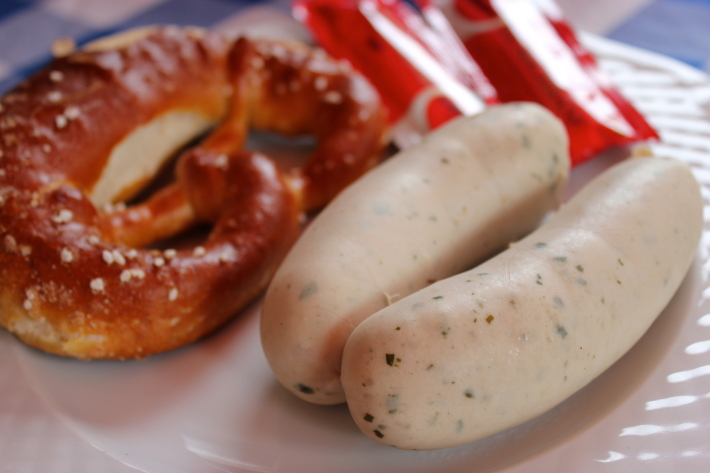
321	83
56	76
97	285
133	273
107	256
63	216
221	161
118	258
332	97
66	255
54	96
10	243
72	113
60	121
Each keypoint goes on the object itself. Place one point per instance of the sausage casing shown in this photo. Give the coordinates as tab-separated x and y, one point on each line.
504	342
427	213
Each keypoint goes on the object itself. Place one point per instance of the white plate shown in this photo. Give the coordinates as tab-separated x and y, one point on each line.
214	406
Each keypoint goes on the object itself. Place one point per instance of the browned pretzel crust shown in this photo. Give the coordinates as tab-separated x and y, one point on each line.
93	128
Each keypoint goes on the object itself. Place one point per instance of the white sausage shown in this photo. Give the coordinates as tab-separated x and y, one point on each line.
504	342
432	211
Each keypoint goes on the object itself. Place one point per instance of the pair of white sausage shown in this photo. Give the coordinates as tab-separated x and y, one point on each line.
447	363
428	213
504	342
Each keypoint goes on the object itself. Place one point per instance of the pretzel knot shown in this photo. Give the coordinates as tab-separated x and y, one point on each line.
80	272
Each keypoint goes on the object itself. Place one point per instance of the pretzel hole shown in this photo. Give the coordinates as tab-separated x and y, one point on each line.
288	153
140	156
190	235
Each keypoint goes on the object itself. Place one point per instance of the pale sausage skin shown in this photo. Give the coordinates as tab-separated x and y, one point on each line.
506	341
427	213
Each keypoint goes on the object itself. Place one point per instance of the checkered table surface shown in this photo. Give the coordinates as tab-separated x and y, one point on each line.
29	27
676	28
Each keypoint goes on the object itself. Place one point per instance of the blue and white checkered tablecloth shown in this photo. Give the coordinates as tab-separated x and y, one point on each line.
676	28
29	27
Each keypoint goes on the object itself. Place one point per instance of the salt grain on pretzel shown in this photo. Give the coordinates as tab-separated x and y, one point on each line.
94	127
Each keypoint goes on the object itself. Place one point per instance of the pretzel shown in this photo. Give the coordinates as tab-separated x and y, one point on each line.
81	274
